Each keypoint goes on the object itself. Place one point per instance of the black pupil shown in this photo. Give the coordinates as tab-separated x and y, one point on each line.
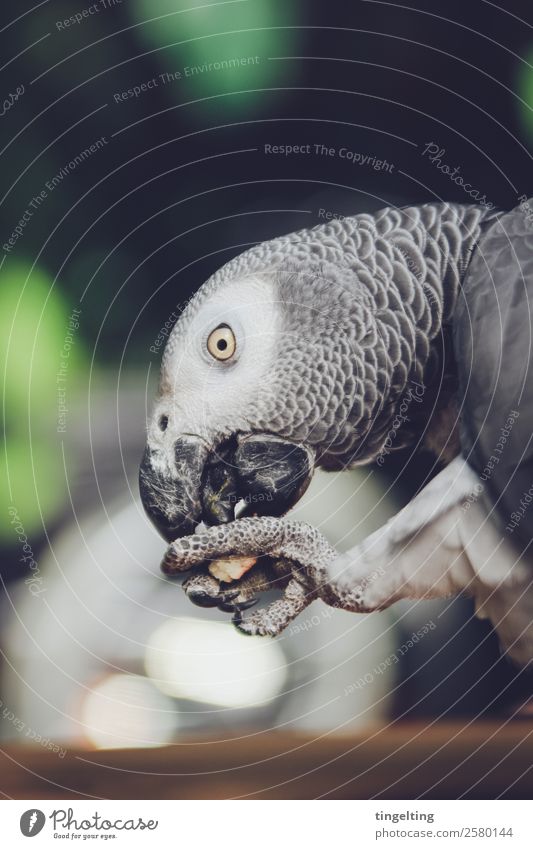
222	344
163	422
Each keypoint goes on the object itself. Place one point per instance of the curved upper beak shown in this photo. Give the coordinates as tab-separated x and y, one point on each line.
264	474
170	488
272	473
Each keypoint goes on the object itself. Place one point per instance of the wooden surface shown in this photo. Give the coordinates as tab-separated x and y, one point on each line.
405	761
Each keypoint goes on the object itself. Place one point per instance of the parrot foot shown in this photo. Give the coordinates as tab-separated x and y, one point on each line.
205	590
292	557
271	620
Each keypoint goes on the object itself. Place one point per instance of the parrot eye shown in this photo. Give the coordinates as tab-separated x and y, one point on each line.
221	343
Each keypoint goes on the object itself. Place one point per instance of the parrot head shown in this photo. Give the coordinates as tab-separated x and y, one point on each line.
263	377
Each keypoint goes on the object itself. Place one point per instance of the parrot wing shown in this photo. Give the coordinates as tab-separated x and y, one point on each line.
493	343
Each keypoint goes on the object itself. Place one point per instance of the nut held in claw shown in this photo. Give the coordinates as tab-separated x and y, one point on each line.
231	569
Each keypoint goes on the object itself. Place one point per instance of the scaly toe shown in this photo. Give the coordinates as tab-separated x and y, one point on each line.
255	625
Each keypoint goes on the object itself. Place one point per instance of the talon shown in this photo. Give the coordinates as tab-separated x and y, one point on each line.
228	595
239	624
226	601
229	606
201	598
245	605
226	607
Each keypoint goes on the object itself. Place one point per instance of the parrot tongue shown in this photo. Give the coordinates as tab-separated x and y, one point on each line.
259	474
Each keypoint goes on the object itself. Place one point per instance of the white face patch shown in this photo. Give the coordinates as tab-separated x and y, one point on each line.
204	395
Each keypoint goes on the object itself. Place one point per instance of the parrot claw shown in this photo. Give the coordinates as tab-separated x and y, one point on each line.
278	568
232	606
202	599
228	595
238	622
245	605
224	600
271	620
205	591
256	625
226	607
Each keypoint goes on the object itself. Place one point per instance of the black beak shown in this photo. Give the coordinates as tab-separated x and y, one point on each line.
170	491
220	486
265	474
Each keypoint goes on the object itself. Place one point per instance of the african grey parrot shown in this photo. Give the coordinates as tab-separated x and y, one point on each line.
332	347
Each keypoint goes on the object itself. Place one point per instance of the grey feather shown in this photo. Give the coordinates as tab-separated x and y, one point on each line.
493	338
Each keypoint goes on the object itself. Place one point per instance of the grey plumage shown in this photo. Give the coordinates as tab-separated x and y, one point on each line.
493	340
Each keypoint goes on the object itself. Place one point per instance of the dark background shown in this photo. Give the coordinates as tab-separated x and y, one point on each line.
183	183
379	78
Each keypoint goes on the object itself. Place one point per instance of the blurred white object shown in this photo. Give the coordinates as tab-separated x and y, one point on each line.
127	710
211	663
